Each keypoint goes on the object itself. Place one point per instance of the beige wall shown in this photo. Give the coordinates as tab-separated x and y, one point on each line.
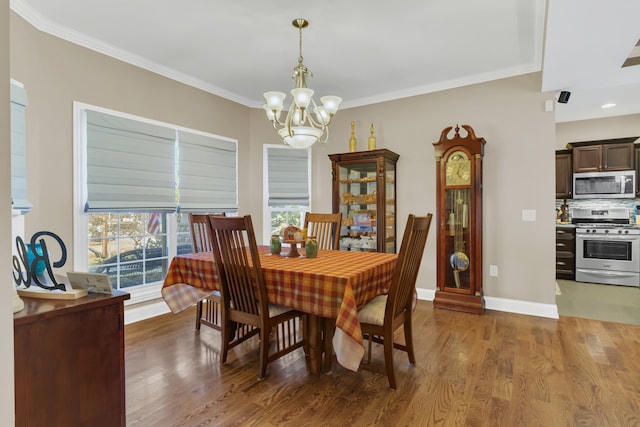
508	113
7	413
590	130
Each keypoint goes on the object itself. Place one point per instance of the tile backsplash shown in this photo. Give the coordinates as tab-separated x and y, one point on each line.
600	203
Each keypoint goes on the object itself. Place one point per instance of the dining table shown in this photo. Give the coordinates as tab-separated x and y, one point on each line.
330	288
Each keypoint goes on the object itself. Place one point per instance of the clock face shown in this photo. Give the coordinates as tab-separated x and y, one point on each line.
458	169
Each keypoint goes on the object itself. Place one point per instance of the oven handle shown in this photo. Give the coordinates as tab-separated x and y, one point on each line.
623	237
605	273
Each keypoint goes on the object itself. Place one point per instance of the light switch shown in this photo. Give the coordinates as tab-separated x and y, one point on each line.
493	270
528	214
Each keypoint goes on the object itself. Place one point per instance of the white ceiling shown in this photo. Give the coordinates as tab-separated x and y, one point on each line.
365	51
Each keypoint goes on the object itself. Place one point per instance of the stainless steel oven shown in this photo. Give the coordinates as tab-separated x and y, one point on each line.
607	247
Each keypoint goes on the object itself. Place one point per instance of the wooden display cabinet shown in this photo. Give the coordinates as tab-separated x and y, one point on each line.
364	190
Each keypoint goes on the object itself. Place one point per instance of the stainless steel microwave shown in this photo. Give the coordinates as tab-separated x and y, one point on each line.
610	185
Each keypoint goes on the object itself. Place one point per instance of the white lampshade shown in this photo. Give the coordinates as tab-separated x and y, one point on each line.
331	103
302	96
275	100
303	136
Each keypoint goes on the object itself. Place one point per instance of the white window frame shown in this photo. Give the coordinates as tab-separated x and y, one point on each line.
141	293
266	209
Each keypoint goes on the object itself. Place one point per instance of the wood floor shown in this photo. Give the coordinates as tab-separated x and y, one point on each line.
499	369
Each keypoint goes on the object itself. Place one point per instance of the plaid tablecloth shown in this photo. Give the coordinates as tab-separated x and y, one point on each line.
334	285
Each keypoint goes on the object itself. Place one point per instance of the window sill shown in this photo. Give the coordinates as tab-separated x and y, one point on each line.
144	293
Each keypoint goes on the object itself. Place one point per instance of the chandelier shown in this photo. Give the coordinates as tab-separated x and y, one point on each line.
301	129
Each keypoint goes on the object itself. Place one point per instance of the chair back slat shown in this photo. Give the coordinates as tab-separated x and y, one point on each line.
406	271
235	252
201	232
325	228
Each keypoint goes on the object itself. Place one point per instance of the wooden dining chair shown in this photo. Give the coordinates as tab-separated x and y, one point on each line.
208	310
244	294
325	227
383	315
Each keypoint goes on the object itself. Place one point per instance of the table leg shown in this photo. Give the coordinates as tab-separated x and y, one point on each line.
328	328
315	343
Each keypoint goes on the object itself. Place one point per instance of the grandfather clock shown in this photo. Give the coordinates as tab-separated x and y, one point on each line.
459	221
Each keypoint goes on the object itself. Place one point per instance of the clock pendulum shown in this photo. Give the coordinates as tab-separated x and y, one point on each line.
459	260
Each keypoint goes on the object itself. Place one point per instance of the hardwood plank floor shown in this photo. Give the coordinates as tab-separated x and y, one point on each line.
499	369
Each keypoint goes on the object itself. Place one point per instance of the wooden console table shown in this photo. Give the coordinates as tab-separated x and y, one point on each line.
69	361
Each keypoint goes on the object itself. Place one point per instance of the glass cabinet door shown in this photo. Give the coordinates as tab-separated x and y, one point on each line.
390	207
358	204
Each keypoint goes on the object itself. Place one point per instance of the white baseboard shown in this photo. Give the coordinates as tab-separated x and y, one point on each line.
508	305
137	312
522	307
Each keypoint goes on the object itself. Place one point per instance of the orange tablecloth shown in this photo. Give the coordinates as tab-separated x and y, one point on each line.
334	285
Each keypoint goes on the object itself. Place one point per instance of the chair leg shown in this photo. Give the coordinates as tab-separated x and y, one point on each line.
388	360
198	315
304	327
264	352
408	339
227	333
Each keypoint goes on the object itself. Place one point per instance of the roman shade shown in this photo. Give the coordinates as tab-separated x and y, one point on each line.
130	165
207	170
288	176
18	150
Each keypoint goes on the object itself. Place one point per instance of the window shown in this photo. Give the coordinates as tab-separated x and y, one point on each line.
287	187
18	149
135	182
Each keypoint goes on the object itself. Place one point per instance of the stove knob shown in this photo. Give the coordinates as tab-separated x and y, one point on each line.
606	231
626	231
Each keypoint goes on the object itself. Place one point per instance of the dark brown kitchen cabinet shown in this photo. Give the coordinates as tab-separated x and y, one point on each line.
564	186
637	153
611	156
69	362
566	253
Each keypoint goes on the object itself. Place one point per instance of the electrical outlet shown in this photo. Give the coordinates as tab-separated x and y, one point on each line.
493	270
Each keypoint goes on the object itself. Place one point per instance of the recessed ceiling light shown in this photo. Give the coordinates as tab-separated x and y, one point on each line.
609	105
